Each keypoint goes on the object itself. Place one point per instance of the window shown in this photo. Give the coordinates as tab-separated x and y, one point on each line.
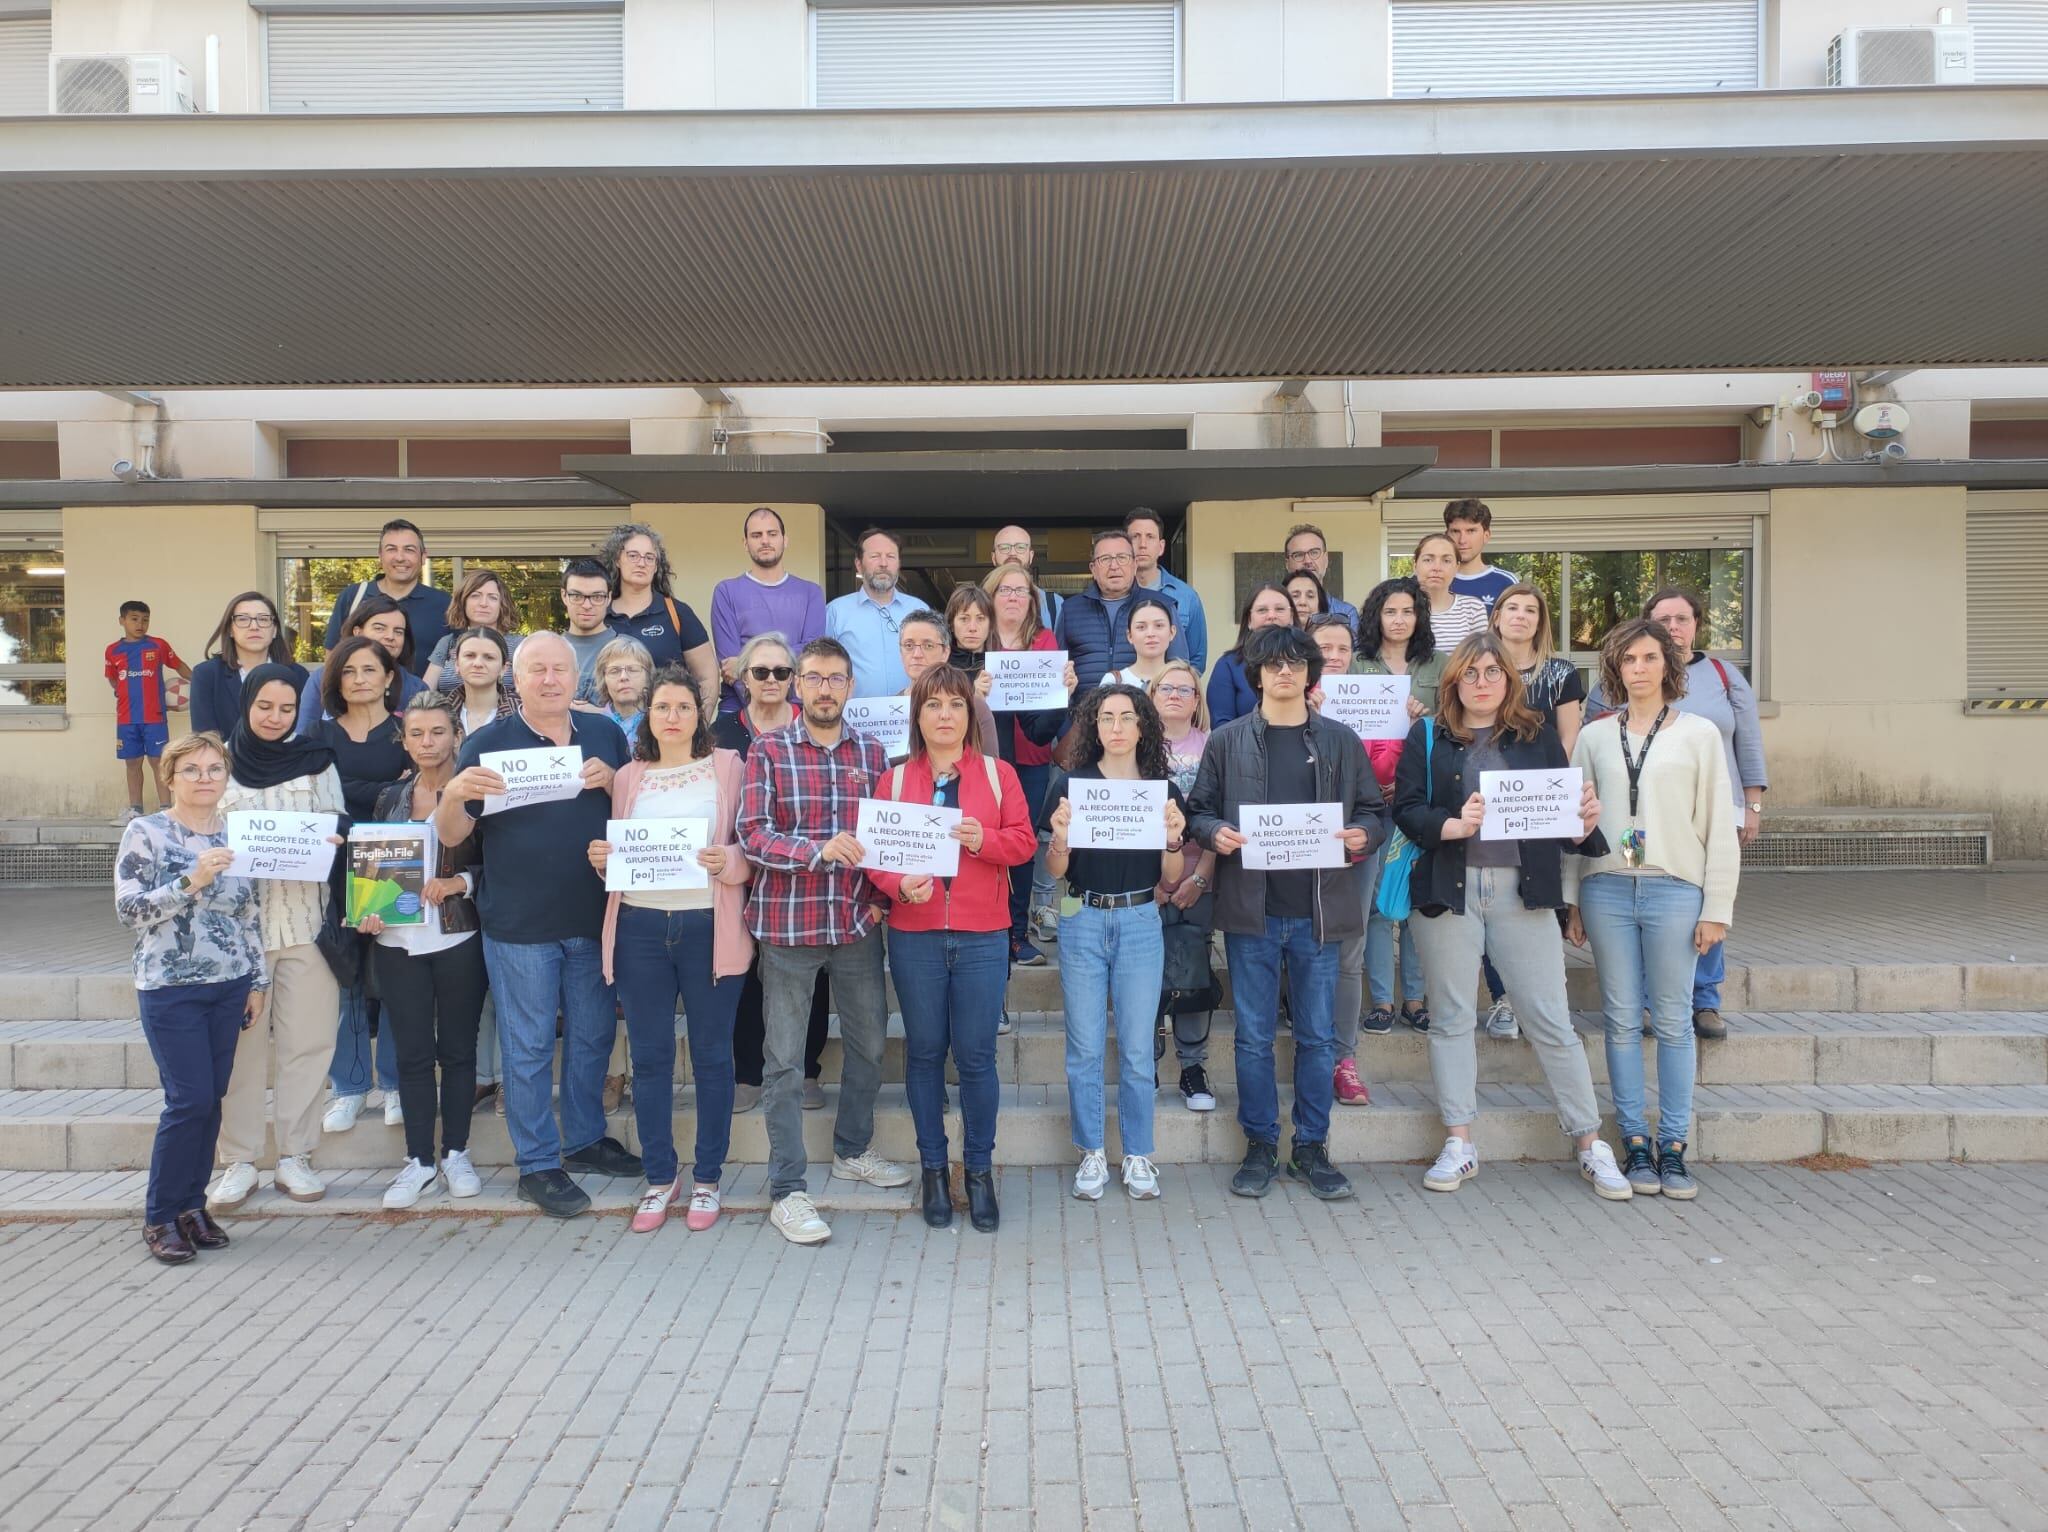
32	628
24	66
2007	601
1575	47
455	59
1035	54
310	586
2012	40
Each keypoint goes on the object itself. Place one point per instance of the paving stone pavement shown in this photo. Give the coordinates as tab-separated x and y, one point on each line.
1796	1349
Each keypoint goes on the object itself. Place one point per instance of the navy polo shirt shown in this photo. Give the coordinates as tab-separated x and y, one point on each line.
426	617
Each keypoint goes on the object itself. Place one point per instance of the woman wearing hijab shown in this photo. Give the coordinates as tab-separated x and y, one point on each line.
274	771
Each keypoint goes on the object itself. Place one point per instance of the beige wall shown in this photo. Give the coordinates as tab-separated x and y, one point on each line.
1219	529
176	27
705	546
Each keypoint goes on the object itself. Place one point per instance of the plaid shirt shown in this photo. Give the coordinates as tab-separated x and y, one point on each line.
798	796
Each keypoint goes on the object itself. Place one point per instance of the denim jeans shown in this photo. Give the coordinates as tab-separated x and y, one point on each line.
1708	976
788	980
351	1072
191	1030
1384	940
1349	1004
488	1067
1640	927
532	982
660	955
1111	957
950	986
1025	878
1312	983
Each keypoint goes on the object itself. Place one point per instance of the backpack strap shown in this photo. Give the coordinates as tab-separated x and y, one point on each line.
355	601
675	621
1721	671
896	784
1429	762
995	780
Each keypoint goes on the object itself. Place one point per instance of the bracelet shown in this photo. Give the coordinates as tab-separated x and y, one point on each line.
1176	846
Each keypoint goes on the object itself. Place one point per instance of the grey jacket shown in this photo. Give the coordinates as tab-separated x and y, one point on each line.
1233	773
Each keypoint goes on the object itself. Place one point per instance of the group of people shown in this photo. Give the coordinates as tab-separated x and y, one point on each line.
248	983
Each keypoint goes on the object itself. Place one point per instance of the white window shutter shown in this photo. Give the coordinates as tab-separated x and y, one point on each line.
454	61
2012	40
1589	526
1575	47
2007	620
994	55
25	66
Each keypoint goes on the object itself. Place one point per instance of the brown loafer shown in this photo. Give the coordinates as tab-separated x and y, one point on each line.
167	1244
200	1231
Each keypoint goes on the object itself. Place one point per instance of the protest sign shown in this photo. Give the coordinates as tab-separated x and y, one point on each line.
886	718
1280	837
1116	816
1026	680
908	837
1532	805
655	854
538	774
294	847
1372	707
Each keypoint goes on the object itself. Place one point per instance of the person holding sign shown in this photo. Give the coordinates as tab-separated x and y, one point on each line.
1285	753
282	773
949	938
1473	894
684	938
1332	635
1187	910
1112	949
1025	740
1663	896
542	910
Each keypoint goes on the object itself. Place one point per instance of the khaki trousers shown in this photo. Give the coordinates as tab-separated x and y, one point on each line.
294	1040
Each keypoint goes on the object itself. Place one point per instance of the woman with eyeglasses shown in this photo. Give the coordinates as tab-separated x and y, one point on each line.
1025	740
380	618
644	605
766	674
482	600
624	669
1230	691
924	643
1187	909
248	634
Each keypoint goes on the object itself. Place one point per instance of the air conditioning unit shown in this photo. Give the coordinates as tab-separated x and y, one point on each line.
1903	56
87	83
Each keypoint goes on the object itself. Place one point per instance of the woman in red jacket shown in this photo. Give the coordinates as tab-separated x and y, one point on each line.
949	937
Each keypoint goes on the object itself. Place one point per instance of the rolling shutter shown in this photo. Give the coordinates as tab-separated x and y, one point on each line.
2012	40
25	66
2008	603
1084	54
455	61
1575	47
1722	521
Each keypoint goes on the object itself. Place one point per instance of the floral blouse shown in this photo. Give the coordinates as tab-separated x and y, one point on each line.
207	936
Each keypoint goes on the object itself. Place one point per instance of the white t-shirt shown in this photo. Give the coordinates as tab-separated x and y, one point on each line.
678	792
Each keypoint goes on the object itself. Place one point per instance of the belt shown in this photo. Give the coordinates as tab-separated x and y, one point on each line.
1131	900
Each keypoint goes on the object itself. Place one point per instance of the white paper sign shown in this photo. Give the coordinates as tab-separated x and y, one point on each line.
1280	837
1117	816
1026	680
1372	707
1532	805
541	774
908	837
887	718
293	847
655	853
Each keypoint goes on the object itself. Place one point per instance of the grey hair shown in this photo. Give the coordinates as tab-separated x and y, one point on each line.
615	545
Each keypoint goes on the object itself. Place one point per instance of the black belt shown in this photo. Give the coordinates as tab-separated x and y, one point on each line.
1134	898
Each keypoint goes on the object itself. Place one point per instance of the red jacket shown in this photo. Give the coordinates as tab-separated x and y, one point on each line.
978	897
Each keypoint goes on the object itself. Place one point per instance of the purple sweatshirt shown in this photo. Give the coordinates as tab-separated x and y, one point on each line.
743	607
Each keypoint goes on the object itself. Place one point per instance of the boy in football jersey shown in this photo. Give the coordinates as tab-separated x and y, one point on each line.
135	669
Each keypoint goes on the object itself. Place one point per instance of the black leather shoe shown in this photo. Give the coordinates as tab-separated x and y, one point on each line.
167	1244
200	1231
1310	1162
982	1211
607	1157
554	1193
1254	1177
938	1199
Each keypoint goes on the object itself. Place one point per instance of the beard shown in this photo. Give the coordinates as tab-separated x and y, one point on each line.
880	580
824	710
765	563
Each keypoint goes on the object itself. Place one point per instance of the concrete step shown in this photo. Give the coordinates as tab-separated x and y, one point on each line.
112	1129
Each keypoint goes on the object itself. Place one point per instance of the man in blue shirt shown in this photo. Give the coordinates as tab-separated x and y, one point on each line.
1469	525
866	621
1307	548
402	555
1148	544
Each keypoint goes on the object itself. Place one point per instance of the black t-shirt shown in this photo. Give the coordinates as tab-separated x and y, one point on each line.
668	641
538	884
366	769
1290	778
1095	871
1552	684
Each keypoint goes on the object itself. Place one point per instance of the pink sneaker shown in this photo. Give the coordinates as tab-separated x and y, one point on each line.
652	1212
1350	1089
704	1207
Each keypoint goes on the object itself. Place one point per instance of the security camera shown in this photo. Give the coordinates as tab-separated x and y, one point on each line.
127	472
1893	452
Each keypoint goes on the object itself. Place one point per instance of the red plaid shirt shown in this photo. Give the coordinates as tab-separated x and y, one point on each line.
797	797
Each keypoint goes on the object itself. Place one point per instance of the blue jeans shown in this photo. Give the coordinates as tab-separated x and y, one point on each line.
191	1030
1640	928
1383	938
351	1070
950	986
1112	957
532	982
1023	879
1312	984
1708	976
660	955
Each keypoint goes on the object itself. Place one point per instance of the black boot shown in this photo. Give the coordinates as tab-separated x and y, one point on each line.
938	1198
982	1211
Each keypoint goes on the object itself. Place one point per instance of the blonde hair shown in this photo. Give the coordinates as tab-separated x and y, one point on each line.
1027	635
1540	643
1201	714
193	744
623	649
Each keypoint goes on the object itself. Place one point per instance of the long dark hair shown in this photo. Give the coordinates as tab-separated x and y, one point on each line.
1244	616
222	643
1084	742
1421	643
645	746
1322	592
378	605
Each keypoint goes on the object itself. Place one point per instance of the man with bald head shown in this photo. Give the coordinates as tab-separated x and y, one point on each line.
542	908
1013	546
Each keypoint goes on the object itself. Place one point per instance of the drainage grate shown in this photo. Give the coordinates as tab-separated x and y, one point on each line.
1799	852
59	863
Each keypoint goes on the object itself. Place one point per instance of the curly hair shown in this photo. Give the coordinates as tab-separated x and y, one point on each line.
645	746
1083	748
615	545
1616	644
1421	643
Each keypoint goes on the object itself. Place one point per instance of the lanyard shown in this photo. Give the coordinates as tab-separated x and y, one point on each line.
1635	764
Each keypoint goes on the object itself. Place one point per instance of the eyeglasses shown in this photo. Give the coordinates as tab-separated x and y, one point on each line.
259	620
1111	559
639	558
817	682
584	597
1182	692
923	646
211	773
1492	675
1013	547
626	668
771	672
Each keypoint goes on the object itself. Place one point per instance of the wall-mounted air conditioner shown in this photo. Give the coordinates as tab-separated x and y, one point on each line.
1903	56
85	83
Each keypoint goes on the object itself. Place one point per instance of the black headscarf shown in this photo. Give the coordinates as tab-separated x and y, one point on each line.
261	763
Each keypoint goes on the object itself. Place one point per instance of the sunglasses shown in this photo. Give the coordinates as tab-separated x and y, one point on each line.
771	672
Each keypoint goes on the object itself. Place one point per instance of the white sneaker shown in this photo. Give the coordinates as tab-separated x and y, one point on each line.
1457	1163
1597	1165
295	1178
233	1187
797	1217
342	1113
1141	1178
460	1175
405	1188
394	1114
1093	1175
1500	1021
870	1167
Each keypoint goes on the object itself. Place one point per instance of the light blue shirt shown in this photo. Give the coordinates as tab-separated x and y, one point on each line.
1194	623
869	633
1345	610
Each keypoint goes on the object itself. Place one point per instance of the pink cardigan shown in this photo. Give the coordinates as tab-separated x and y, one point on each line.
732	947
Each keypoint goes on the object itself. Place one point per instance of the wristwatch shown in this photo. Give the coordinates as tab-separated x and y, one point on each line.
1199	881
184	883
1754	808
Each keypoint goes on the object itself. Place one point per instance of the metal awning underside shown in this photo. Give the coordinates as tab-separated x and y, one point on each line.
1388	238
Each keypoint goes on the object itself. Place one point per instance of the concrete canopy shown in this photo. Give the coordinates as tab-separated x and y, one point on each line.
1386	238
